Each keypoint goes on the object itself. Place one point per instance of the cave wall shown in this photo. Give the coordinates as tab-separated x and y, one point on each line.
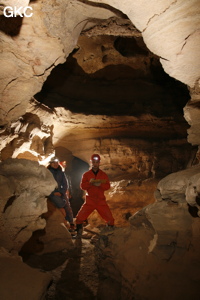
32	47
24	187
23	201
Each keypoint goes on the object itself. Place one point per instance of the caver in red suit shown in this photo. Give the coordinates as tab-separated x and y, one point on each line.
95	182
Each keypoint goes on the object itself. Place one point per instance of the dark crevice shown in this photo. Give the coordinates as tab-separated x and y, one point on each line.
198	199
193	210
10	26
9	202
129	47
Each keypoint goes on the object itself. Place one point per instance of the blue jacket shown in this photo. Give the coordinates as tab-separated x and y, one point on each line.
60	178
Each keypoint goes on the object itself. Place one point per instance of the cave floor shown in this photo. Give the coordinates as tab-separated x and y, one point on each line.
74	273
77	277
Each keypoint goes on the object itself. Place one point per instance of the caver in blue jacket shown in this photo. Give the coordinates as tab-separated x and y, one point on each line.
60	200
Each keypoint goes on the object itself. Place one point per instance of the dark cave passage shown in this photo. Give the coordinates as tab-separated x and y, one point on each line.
118	76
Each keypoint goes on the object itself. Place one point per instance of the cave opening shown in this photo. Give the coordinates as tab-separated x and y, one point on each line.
113	75
108	75
116	76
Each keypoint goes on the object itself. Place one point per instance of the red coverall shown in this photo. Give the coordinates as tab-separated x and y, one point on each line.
95	198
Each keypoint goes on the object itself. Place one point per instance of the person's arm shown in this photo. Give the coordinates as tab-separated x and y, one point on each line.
105	184
85	183
63	186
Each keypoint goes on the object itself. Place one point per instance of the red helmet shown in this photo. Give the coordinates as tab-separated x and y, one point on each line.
95	157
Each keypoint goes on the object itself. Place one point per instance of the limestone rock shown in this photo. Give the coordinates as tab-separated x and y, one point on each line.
170	30
56	236
30	139
191	114
24	186
156	245
125	198
181	186
44	41
19	281
193	191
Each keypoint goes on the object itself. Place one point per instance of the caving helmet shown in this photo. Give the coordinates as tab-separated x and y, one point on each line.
54	159
95	157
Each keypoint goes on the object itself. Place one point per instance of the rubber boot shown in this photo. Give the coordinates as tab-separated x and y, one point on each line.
79	229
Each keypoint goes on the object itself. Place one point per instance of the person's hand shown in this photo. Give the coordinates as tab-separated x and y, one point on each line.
57	194
95	182
92	180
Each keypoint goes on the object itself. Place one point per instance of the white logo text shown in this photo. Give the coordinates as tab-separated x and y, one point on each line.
21	11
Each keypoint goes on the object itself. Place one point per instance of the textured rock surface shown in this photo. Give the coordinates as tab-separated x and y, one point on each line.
44	41
177	40
138	151
14	3
54	238
19	281
191	114
125	198
181	186
160	245
24	186
161	241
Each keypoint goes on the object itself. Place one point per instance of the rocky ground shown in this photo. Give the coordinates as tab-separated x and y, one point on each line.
74	272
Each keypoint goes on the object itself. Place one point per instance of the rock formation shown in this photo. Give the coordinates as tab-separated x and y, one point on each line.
19	281
162	241
24	185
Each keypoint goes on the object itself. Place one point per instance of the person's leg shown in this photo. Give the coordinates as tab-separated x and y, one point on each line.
69	213
83	213
59	202
105	213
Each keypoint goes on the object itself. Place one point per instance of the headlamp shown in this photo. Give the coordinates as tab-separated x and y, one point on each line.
95	157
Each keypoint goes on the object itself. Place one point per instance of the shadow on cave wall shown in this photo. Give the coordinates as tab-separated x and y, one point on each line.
10	26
